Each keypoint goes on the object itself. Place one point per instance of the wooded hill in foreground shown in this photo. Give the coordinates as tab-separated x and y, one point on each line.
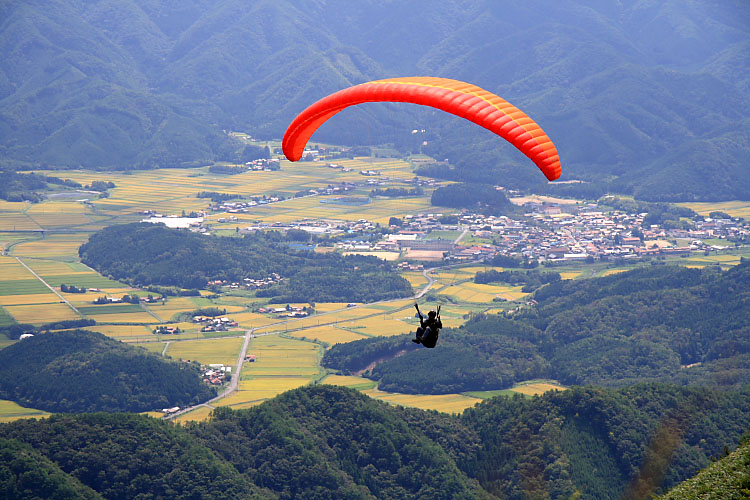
330	442
655	323
82	371
152	254
727	479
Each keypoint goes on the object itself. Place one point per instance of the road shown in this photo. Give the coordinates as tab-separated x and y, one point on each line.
63	299
249	334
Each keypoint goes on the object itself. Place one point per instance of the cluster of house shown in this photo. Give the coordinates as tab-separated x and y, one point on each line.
338	167
247	283
211	324
286	312
266	164
574	232
217	374
235	207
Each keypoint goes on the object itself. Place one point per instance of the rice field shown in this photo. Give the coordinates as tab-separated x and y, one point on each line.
256	390
446	403
122	332
209	351
10	411
28	299
279	356
198	415
54	214
39	314
735	208
328	334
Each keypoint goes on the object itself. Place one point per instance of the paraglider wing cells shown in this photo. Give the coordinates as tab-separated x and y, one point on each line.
453	96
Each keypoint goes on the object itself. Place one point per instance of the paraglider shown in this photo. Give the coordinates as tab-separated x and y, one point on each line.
429	329
453	96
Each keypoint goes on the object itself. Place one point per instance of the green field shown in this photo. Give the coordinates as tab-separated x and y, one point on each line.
10	411
22	287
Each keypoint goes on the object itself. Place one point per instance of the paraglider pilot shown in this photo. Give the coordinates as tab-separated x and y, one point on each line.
429	329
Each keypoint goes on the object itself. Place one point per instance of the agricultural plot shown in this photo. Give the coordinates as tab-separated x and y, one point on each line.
359	383
63	246
155	347
22	287
38	314
484	294
254	391
208	351
416	279
89	280
253	320
29	299
5	320
12	221
279	356
533	387
200	414
735	208
123	332
11	269
446	403
10	411
328	334
54	214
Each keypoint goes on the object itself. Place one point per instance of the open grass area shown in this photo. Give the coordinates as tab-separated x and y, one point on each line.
207	351
10	411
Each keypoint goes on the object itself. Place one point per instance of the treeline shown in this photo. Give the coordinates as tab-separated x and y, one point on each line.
656	323
150	254
72	288
530	279
665	215
101	186
467	360
15	330
16	186
397	192
601	443
82	371
332	442
218	197
483	197
227	169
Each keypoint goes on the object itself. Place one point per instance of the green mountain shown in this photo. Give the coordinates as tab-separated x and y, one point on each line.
655	323
81	371
727	479
27	474
333	442
649	99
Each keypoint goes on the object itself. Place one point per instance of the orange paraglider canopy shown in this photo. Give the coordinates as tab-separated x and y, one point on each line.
459	98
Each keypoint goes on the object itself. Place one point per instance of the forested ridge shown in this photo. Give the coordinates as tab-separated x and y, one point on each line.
660	89
331	442
82	371
655	323
151	254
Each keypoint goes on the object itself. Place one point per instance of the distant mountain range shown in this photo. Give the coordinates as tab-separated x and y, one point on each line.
650	99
